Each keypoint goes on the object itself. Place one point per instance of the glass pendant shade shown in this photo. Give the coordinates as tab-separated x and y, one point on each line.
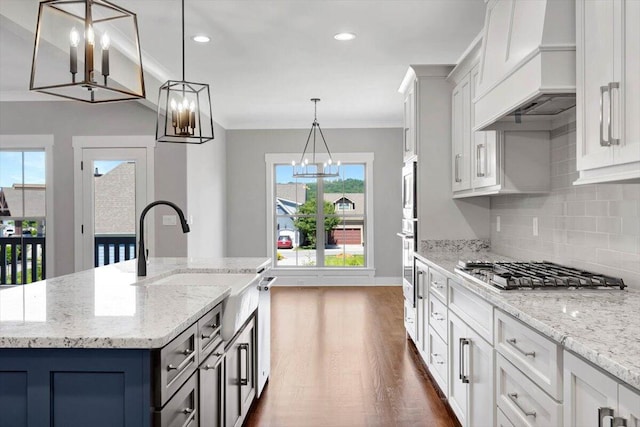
87	50
184	113
315	163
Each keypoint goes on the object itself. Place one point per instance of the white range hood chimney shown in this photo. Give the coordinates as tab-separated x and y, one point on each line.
528	64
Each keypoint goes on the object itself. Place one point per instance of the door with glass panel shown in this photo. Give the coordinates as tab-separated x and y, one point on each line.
114	183
22	216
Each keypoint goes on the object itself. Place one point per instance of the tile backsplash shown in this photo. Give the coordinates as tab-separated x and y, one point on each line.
593	227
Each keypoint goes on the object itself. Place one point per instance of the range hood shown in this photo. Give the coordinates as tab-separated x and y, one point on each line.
528	64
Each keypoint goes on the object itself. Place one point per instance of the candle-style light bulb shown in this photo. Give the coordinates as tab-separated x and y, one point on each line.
329	161
91	37
174	118
104	43
180	116
192	115
74	39
293	162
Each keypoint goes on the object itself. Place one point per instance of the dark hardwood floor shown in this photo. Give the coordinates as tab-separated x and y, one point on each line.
340	357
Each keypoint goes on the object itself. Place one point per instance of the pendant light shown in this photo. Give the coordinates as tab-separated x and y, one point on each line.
312	169
103	63
184	109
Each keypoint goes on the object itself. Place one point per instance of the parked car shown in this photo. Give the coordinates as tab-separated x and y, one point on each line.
8	231
285	242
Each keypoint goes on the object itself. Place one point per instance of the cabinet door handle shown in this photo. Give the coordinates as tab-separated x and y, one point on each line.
603	142
463	377
245	347
213	333
610	87
419	293
190	355
191	418
437	316
514	399
479	169
437	285
603	414
437	359
457	168
512	342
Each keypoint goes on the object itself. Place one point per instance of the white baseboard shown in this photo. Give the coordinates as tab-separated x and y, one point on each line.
337	281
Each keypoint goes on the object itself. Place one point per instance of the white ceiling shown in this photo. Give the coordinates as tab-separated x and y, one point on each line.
267	58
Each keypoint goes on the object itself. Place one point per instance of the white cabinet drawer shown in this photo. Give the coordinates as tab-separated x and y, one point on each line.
437	360
438	284
473	309
524	403
438	317
502	420
538	357
410	319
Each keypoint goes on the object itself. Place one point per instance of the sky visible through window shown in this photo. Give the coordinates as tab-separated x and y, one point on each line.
34	169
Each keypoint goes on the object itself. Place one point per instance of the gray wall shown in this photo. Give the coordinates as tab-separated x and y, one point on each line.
594	227
246	175
439	215
67	119
206	195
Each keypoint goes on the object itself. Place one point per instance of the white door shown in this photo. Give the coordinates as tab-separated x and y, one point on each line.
461	135
458	367
481	378
484	170
114	192
595	72
627	118
586	389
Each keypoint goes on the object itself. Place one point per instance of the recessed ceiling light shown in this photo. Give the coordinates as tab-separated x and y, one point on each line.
344	36
201	39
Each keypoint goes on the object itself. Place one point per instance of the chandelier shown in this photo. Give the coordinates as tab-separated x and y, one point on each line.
313	169
103	63
184	109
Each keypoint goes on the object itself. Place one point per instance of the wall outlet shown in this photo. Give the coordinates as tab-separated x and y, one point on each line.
169	220
498	223
535	225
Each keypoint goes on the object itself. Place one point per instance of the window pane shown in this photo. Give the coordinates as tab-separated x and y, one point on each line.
345	240
288	240
22	213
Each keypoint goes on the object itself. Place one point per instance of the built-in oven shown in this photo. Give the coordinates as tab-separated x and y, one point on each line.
409	200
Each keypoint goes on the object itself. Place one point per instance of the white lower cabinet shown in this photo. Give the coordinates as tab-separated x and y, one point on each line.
502	420
594	399
471	379
521	400
437	360
422	298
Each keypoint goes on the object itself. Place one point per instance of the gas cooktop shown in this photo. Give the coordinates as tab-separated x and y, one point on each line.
534	275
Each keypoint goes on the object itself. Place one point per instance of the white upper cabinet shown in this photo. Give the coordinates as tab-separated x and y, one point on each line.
491	162
409	145
461	135
608	90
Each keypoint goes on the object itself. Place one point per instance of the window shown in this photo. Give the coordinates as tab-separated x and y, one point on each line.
23	194
333	236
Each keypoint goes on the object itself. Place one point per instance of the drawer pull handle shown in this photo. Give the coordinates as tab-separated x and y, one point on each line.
437	285
437	359
512	342
191	418
514	399
216	329
437	316
190	355
245	380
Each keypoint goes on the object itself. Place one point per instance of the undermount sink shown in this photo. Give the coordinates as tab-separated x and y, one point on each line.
242	301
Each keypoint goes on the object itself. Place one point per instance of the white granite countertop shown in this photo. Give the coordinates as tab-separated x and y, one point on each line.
110	307
602	326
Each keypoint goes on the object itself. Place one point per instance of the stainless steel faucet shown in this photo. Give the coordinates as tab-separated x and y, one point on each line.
142	253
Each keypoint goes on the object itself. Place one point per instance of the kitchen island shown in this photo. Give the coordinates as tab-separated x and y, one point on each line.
102	346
